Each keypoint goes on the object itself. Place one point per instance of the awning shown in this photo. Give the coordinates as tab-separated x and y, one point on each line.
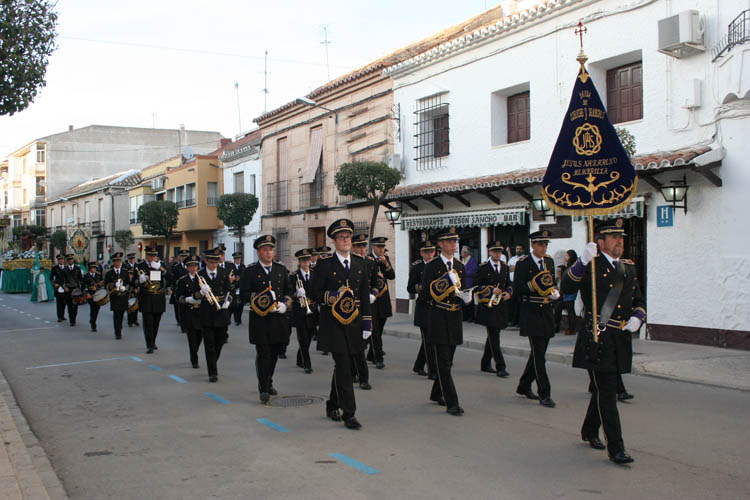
634	209
313	161
502	217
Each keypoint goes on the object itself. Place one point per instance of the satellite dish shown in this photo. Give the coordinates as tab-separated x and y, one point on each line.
187	153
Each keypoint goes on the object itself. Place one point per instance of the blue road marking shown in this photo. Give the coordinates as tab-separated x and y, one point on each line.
218	398
136	358
74	363
177	379
272	425
155	368
354	463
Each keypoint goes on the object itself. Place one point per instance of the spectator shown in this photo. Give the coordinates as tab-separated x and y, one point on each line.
568	300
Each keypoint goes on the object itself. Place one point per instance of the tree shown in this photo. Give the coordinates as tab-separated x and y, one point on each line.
59	240
27	38
159	218
124	238
371	180
236	210
628	141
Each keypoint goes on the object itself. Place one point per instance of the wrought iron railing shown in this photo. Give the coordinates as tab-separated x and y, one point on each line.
738	33
277	196
97	228
312	195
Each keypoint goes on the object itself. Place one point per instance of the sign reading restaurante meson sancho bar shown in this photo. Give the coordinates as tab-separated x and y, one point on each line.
505	217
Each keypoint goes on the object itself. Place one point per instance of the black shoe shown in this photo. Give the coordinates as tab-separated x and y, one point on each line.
308	370
155	348
624	396
72	323
355	379
333	414
621	458
487	369
431	376
527	393
439	400
149	351
137	324
238	324
213	378
380	365
455	411
502	374
594	442
547	402
282	356
365	386
370	358
195	365
352	423
130	324
60	320
118	337
272	391
299	363
265	397
93	328
324	353
420	372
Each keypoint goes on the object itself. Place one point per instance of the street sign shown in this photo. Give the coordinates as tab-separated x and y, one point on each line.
664	216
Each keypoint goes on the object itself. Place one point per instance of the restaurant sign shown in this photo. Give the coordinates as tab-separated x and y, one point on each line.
505	217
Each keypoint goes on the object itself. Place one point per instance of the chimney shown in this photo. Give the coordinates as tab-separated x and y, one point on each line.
223	143
70	128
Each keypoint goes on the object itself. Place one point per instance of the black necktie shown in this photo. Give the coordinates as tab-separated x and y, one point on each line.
212	275
307	278
449	265
346	264
541	265
268	269
496	269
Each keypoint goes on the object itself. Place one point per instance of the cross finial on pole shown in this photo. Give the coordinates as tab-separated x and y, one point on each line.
580	31
582	57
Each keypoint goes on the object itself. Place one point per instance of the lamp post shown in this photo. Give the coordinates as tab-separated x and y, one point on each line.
676	193
541	206
309	102
393	215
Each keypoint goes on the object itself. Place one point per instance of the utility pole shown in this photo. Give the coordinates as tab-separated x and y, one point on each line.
325	43
265	84
239	115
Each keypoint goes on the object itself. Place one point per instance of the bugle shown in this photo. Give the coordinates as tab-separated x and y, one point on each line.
210	297
303	300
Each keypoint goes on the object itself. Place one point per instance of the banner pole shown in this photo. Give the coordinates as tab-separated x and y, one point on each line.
594	312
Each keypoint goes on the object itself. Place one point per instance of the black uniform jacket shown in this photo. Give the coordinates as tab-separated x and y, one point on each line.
178	271
72	278
57	278
330	275
382	308
494	316
616	349
209	315
184	288
300	318
90	284
413	286
443	325
272	328
537	316
118	301
151	295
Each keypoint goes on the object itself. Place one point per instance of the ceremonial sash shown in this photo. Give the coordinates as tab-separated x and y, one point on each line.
483	294
381	285
345	308
441	287
264	302
543	283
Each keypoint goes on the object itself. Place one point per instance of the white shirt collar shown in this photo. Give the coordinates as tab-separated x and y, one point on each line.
342	257
445	261
266	267
610	259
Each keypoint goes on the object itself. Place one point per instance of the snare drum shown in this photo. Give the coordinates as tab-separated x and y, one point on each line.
101	296
132	304
78	296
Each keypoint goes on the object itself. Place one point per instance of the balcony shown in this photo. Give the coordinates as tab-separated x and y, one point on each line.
97	228
133	218
190	202
277	197
311	196
212	201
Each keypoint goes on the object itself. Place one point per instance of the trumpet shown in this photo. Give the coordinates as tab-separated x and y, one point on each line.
210	297
458	279
303	300
496	299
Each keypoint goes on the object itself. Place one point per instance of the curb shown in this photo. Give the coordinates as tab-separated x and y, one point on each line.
567	359
36	479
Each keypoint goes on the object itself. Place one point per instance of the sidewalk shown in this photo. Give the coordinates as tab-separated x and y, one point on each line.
23	462
698	364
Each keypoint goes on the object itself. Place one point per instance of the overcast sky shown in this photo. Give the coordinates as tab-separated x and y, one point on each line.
163	63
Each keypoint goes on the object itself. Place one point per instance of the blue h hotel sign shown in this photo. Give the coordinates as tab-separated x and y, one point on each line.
664	216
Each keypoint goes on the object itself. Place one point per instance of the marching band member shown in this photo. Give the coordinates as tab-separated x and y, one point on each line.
427	252
381	308
118	281
91	283
216	287
151	296
237	267
130	266
265	285
72	278
341	286
178	271
361	372
57	278
189	297
304	310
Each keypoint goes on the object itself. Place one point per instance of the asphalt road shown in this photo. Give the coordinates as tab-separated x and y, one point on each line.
123	424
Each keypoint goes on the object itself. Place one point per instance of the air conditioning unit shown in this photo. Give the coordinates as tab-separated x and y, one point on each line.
394	161
681	35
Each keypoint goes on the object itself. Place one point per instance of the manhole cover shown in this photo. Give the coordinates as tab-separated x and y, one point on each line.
289	401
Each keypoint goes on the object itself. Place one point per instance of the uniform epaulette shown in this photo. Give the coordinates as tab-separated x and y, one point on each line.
627	261
416	262
328	256
548	255
522	257
485	263
371	257
357	256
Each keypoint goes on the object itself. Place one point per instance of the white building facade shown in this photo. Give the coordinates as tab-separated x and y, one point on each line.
479	115
241	165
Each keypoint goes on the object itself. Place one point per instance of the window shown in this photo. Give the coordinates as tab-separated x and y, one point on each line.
25	197
282	157
282	246
170	195
179	196
160	196
86	212
239	182
52	215
190	194
40	186
62	215
134	210
432	137
251	186
625	93
212	190
203	245
17	220
40	217
99	208
40	154
75	213
519	128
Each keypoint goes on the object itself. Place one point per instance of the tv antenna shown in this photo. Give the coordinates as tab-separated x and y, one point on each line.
265	83
326	42
239	115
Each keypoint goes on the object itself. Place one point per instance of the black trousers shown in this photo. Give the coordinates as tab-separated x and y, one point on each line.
375	352
359	367
93	313
72	308
237	307
304	337
214	338
342	391
514	310
151	327
492	350
620	383
132	318
177	312
265	364
117	317
443	385
602	411
195	337
423	356
536	368
60	303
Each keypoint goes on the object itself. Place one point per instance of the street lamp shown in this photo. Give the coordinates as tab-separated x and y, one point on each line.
676	193
393	215
541	205
309	102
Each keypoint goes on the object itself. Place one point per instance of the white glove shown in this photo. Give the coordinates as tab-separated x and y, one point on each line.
372	299
273	295
589	252
366	334
301	293
60	289
555	294
205	290
192	301
453	277
142	278
281	308
633	325
155	265
465	295
122	289
225	305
